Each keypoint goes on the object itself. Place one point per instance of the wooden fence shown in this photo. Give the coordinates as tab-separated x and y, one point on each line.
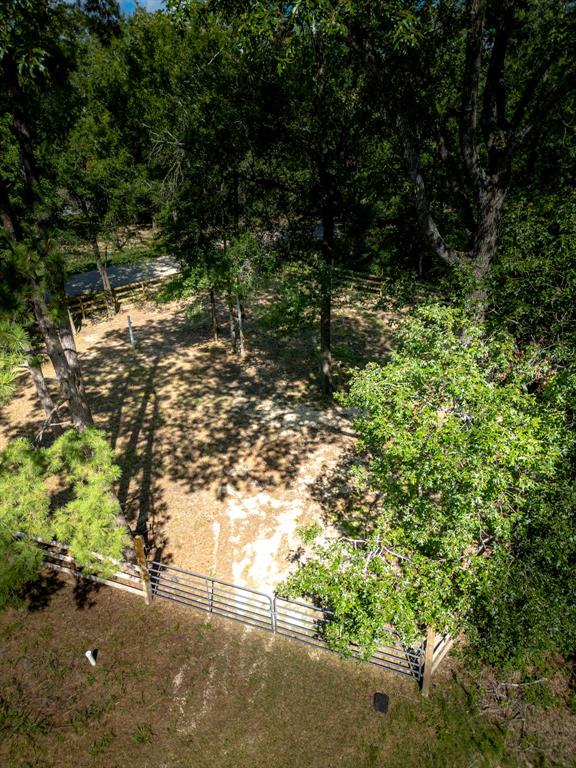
293	619
94	303
128	577
359	281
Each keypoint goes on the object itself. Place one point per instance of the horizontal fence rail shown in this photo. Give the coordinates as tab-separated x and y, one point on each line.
282	616
56	557
293	619
212	595
94	302
359	281
304	622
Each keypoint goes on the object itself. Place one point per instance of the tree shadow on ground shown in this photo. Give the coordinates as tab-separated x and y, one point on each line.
39	593
181	409
345	506
84	592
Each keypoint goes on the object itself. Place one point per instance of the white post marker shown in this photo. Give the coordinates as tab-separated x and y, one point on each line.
90	656
131	332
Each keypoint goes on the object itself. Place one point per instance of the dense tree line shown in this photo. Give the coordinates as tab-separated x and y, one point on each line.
429	142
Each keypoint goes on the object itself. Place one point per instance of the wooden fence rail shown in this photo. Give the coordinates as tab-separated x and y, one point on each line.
96	302
359	281
92	303
127	577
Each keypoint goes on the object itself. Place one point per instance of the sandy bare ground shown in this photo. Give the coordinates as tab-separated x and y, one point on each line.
221	458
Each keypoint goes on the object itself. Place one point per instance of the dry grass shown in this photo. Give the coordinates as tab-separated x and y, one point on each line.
170	689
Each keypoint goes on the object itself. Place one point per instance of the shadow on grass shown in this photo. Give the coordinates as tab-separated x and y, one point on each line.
39	593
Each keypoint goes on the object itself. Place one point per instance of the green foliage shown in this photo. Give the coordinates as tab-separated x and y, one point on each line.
247	264
143	734
13	344
464	462
534	280
78	468
295	302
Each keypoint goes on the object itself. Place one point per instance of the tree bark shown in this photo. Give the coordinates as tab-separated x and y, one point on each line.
485	244
326	380
69	346
79	408
231	322
213	316
41	389
425	219
101	265
239	327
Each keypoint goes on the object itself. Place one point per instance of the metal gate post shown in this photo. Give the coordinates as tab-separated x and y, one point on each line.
210	594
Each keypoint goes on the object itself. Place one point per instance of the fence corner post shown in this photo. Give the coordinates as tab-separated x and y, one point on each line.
143	565
428	660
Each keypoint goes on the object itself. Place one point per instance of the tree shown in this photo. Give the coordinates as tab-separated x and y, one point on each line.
102	175
205	216
460	461
308	150
17	354
30	40
514	66
83	465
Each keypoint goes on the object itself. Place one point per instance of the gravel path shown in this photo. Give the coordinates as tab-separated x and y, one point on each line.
122	274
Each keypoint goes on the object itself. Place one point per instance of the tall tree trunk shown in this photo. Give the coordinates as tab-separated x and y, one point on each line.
213	316
69	346
101	265
78	405
231	323
41	389
239	326
66	334
485	244
326	301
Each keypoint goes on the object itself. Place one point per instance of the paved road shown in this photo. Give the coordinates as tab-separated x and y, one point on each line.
122	274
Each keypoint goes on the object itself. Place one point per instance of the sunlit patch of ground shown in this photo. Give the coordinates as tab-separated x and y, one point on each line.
219	456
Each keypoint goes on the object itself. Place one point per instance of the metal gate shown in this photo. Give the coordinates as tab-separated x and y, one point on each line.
288	618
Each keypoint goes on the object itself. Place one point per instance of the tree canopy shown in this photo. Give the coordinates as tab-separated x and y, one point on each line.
432	144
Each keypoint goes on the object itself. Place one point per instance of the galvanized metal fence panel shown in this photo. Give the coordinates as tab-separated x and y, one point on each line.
288	618
212	595
304	622
285	617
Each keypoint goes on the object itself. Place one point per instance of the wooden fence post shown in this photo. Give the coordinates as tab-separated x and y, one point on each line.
428	659
143	565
